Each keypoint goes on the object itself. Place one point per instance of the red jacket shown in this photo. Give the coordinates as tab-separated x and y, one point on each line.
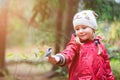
84	62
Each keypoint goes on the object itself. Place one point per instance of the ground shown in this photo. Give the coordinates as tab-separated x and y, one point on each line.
23	71
21	65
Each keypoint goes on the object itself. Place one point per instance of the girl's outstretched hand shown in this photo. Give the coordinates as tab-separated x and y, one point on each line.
53	59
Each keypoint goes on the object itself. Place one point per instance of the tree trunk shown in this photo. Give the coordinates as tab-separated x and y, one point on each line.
59	22
3	26
72	6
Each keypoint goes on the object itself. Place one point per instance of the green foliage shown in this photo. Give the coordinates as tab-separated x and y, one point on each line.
114	31
35	55
24	57
21	23
43	35
106	9
63	73
38	53
115	64
16	32
113	51
45	8
10	55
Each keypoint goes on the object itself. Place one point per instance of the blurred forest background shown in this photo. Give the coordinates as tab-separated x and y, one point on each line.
29	27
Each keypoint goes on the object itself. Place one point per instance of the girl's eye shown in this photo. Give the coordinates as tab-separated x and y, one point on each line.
77	29
84	27
80	27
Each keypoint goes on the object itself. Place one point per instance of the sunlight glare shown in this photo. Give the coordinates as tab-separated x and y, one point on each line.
1	3
117	1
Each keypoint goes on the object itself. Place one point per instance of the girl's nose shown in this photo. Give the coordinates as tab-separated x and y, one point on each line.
80	30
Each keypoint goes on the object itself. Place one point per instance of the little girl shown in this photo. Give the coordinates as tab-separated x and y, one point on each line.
85	55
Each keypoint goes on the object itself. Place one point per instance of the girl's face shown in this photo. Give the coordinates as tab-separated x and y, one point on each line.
84	33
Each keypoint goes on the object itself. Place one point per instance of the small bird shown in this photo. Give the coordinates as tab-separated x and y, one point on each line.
48	52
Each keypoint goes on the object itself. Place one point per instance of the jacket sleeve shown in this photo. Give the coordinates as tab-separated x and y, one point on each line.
70	51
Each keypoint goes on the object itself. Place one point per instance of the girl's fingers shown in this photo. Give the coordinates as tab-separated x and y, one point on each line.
53	59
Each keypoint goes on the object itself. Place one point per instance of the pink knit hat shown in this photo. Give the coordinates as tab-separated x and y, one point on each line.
85	17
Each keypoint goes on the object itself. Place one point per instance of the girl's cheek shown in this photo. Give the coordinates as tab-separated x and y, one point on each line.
76	32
